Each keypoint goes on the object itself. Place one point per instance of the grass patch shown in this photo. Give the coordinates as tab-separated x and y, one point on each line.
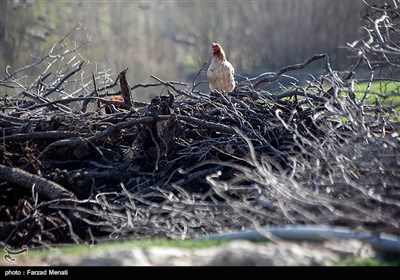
387	92
368	262
381	86
142	244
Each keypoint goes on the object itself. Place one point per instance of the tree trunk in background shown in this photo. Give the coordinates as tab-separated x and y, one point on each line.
5	51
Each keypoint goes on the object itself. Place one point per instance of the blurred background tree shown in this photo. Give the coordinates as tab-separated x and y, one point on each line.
171	39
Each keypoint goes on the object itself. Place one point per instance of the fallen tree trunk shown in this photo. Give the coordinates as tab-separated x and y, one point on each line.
28	181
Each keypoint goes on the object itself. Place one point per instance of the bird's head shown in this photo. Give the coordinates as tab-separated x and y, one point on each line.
217	50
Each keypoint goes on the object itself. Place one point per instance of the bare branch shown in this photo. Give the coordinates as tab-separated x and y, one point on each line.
283	70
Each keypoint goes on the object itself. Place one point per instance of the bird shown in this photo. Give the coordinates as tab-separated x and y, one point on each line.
111	108
220	73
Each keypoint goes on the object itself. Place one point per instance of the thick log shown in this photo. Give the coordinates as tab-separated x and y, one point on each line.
26	180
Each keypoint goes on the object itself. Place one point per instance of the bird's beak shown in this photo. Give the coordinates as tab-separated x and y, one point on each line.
213	44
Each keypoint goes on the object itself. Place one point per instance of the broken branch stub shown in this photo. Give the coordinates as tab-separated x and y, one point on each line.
125	90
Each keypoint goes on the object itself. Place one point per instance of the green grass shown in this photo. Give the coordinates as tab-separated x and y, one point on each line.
142	244
387	92
368	262
382	86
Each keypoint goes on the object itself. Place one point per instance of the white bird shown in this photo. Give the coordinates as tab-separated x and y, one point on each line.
220	73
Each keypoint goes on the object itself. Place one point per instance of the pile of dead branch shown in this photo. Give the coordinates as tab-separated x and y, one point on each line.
190	163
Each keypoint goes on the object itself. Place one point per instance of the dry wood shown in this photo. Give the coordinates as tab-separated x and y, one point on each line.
125	89
28	181
286	69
